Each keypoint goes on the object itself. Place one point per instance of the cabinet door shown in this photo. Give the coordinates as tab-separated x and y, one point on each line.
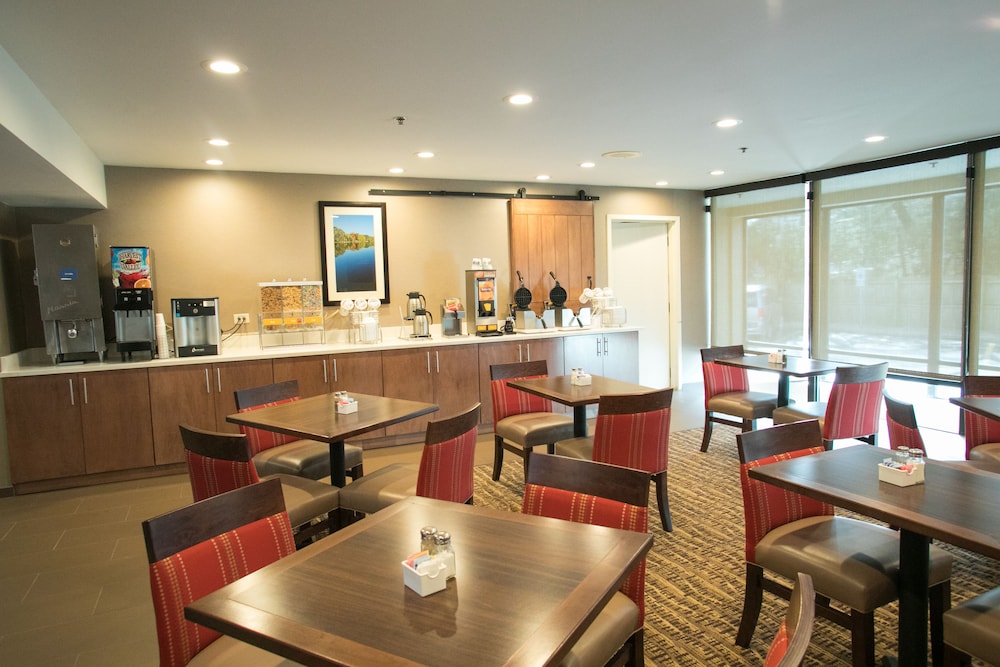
586	352
117	426
44	431
312	374
179	395
232	376
357	372
621	355
524	348
456	379
549	349
407	374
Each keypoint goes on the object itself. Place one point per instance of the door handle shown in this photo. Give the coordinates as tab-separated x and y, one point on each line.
218	378
325	379
208	383
86	397
437	362
72	397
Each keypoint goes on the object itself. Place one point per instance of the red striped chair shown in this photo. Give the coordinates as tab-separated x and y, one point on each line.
854	409
982	434
523	421
200	548
727	392
277	453
632	430
444	472
854	562
603	495
902	423
790	643
221	462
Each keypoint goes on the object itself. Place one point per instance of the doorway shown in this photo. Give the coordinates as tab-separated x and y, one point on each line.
644	270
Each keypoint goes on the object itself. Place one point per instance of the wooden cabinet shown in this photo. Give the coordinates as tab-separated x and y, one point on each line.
448	376
312	373
613	355
77	424
198	395
357	372
524	348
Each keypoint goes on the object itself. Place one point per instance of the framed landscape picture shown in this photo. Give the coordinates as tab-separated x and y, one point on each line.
354	251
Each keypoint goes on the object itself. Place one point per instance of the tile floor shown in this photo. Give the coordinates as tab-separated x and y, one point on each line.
74	587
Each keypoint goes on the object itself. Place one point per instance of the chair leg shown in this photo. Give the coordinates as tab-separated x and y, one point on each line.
497	456
862	638
753	596
357	471
940	602
955	658
527	455
748	424
661	499
636	654
707	437
828	445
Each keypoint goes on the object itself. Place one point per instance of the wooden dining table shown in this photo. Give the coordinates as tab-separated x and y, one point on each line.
985	406
526	589
560	388
316	418
800	367
957	503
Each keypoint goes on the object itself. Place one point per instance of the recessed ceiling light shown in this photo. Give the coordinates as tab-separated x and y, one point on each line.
218	142
519	99
396	170
588	165
662	183
224	66
214	163
542	177
716	172
622	155
728	122
425	154
875	138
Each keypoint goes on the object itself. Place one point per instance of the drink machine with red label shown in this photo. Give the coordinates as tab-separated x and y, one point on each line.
132	277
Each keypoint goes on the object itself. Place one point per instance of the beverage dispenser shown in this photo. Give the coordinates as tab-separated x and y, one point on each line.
196	326
69	294
132	277
481	299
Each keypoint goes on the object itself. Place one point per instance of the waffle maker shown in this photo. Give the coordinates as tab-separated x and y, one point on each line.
524	317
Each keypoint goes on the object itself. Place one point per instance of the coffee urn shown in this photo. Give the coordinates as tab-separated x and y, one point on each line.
132	277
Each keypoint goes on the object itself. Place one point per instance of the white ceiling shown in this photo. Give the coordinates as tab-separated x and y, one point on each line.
325	79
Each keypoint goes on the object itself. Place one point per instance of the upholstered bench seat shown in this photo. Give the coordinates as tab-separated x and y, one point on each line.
303	458
988	451
381	488
305	499
608	633
743	404
973	627
800	412
535	428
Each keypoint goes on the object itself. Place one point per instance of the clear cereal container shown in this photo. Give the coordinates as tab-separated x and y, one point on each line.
291	306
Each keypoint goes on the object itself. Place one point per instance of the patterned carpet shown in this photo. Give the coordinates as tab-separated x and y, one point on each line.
694	579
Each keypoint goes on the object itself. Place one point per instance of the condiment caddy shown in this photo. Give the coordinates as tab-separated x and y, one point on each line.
428	570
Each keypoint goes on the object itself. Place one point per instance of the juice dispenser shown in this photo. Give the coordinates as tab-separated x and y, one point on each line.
481	299
131	275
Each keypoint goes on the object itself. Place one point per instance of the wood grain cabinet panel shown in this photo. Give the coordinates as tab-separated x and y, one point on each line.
448	376
115	415
523	348
44	427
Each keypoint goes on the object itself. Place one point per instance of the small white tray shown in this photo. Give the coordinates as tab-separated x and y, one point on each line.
900	477
347	408
424	584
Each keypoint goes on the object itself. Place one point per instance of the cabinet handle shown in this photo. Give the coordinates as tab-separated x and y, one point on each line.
208	383
428	363
605	346
527	346
437	362
218	379
598	341
86	397
520	357
325	380
72	396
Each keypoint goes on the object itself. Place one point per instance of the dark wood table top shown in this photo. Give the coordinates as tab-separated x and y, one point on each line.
986	406
316	417
560	389
796	366
957	503
526	588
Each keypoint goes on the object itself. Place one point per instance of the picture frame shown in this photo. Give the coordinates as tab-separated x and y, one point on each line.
354	251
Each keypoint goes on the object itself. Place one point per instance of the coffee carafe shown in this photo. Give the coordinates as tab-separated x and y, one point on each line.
415	301
421	323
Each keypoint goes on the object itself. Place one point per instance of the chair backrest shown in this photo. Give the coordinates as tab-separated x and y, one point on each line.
854	408
264	396
902	423
217	462
979	429
721	379
200	548
508	401
597	493
765	506
789	646
448	457
633	430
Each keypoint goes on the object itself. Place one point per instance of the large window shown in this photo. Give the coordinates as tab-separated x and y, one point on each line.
985	333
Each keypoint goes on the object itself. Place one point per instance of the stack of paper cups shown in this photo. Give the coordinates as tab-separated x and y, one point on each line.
162	348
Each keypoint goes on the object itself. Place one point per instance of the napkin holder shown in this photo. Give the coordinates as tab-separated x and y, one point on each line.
428	577
900	477
776	358
580	379
347	406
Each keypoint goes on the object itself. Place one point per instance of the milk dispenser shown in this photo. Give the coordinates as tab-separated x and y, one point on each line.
481	300
69	294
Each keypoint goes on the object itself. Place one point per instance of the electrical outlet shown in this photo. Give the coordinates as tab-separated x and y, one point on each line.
241	318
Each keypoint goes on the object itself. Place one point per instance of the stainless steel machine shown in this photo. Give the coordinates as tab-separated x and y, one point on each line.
196	326
69	294
481	300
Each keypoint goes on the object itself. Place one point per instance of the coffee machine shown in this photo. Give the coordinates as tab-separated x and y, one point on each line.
481	298
196	326
132	277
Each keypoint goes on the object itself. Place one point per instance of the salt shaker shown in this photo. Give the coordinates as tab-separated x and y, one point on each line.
445	552
427	541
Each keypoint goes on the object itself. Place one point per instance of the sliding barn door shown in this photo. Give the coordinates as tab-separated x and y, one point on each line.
556	236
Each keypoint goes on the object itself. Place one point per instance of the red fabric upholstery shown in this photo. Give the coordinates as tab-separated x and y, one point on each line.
199	570
904	436
446	468
210	477
853	410
979	429
508	401
638	441
261	440
721	379
766	507
779	646
582	508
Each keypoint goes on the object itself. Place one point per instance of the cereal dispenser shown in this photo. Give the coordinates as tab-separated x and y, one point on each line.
291	312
